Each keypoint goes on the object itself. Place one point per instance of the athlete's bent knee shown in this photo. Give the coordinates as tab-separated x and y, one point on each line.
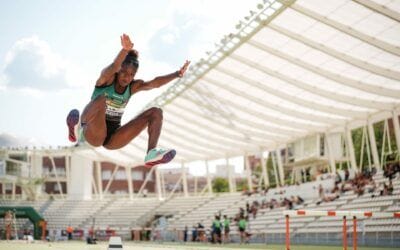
156	113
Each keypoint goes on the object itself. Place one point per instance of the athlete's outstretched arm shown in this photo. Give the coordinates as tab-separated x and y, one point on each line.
108	72
159	80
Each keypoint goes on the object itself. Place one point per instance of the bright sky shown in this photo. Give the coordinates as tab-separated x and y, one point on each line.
51	52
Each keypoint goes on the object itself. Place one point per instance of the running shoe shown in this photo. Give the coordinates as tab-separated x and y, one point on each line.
158	156
73	124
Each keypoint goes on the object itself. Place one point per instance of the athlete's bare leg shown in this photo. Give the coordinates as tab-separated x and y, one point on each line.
151	118
93	121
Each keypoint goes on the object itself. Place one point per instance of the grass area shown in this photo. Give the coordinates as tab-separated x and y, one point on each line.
79	245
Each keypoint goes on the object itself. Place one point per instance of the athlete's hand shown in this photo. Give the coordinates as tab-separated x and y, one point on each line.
183	69
126	42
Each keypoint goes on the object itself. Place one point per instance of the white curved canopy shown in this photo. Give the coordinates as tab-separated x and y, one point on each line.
293	69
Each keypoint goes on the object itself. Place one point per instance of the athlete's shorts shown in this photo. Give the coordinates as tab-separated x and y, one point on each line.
112	126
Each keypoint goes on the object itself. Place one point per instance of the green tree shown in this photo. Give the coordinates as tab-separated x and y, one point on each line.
242	185
378	130
220	185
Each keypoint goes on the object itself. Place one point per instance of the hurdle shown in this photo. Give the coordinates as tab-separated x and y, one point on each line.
344	214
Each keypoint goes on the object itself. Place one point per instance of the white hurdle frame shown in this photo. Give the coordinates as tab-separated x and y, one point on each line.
343	214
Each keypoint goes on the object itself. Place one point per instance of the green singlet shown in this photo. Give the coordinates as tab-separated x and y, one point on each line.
115	102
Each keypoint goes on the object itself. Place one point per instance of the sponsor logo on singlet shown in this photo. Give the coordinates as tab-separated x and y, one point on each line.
115	107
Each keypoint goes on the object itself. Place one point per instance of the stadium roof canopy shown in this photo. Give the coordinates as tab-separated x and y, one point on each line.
292	69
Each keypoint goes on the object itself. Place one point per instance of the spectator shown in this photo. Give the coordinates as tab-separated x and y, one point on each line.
201	233
385	190
216	228
308	175
70	230
241	212
194	233
390	188
346	175
299	200
321	192
242	229
372	186
8	223
248	210
288	203
185	234
254	208
226	229
91	239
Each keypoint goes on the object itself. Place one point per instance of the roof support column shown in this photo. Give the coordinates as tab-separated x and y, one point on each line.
368	145
209	184
158	184
195	185
184	181
164	192
230	177
280	167
99	180
3	189
56	174
129	180
264	169
350	149
248	172
396	128
68	172
177	184
148	177
275	171
110	181
13	190
374	149
331	155
360	166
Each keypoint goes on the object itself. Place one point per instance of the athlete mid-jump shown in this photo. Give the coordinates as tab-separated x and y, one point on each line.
101	119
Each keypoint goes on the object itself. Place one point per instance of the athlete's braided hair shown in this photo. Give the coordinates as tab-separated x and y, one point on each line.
131	58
